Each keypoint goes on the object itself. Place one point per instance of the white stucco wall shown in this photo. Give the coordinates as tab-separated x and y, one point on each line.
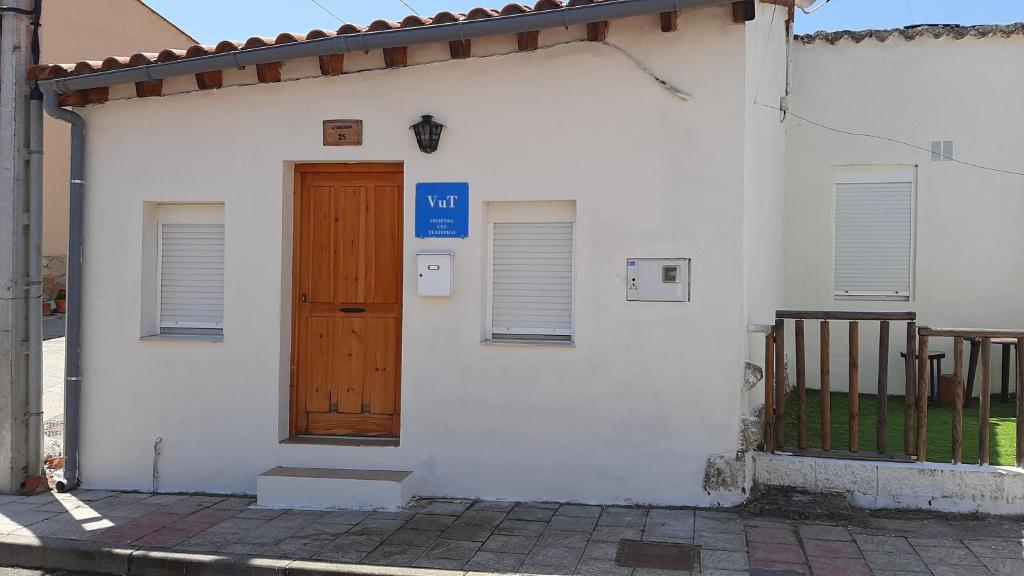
764	153
630	413
968	268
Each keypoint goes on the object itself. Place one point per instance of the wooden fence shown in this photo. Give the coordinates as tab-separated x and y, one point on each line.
916	381
984	409
775	378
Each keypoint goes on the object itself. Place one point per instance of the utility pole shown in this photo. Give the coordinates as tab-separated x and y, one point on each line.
15	58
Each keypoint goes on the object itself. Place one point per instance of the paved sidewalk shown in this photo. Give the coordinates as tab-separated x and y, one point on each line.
509	537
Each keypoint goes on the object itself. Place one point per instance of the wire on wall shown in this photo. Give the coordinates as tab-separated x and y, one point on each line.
888	139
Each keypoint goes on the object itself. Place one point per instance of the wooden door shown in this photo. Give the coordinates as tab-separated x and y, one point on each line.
347	308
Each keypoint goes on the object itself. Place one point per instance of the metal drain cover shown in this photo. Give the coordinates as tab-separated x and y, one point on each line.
660	555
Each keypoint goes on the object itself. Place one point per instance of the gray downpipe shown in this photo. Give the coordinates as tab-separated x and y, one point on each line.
364	41
72	358
35	286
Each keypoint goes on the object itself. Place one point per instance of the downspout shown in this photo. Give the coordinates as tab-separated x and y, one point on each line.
72	358
35	285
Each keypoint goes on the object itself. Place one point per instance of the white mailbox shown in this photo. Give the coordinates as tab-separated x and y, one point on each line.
434	268
658	279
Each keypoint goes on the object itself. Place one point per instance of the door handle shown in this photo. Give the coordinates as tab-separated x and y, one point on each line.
352	310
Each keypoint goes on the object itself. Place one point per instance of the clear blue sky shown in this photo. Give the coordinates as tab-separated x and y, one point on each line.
213	20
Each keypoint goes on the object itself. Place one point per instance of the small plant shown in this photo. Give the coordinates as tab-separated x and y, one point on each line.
60	300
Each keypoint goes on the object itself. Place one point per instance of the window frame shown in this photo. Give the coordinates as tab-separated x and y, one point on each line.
196	213
529	212
875	174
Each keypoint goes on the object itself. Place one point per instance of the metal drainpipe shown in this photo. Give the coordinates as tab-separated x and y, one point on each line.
35	286
72	358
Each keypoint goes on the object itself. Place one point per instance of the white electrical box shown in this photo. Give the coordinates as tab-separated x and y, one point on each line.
658	280
434	268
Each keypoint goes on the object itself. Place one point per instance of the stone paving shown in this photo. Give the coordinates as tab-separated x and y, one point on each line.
523	537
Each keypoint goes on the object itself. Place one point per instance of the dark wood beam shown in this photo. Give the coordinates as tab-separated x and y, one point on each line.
332	64
743	11
460	49
597	31
149	88
396	57
669	21
75	98
96	95
528	40
210	80
269	72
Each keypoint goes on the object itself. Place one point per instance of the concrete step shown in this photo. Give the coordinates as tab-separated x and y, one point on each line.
330	488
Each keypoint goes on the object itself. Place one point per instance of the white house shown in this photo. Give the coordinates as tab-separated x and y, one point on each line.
558	300
946	246
251	292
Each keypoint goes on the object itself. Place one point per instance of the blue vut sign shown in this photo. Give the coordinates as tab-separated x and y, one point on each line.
442	210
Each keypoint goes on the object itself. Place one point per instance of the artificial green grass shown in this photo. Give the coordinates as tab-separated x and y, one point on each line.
1002	427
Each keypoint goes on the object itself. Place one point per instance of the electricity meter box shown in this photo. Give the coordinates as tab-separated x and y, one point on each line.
434	268
658	280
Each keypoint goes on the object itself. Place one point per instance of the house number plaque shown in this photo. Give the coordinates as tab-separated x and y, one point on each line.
343	132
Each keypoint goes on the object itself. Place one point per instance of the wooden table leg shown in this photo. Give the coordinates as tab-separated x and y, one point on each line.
972	371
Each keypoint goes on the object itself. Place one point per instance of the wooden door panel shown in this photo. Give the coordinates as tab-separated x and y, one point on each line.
334	424
348	300
322	242
352	360
317	380
387	246
381	370
349	253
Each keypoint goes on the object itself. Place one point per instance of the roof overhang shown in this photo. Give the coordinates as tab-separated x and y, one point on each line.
576	13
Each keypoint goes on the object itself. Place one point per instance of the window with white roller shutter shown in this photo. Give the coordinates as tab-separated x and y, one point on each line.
530	275
191	268
874	235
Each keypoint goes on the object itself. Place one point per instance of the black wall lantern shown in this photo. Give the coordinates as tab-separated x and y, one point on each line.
428	133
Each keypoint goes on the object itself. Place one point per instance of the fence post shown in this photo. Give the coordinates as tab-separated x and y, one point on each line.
769	392
958	400
780	384
801	387
910	418
854	386
922	398
826	398
986	399
883	386
1020	403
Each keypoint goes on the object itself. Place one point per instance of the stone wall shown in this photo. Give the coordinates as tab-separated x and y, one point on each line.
55	270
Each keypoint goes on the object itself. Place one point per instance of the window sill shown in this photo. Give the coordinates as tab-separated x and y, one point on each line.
185	337
871	297
342	441
524	342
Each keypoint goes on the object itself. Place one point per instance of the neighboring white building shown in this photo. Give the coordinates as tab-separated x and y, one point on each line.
946	246
253	296
536	378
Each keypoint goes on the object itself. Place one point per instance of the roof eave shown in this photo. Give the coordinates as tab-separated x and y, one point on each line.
377	40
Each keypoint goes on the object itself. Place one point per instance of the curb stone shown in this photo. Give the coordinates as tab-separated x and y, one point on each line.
56	554
85	556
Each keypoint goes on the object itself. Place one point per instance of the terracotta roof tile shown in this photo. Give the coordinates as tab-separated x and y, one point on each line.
47	72
318	33
513	9
351	29
955	31
446	18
